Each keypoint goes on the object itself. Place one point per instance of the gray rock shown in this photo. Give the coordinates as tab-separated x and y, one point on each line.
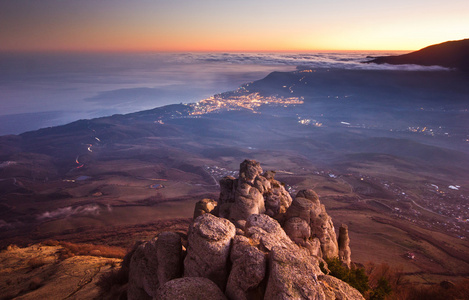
249	170
248	201
262	184
307	207
323	228
154	263
267	232
277	199
169	256
228	187
298	230
301	208
339	289
143	278
248	270
309	194
190	288
209	241
293	276
344	246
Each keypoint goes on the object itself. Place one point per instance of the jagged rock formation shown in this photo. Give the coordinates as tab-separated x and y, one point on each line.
344	246
308	221
244	253
251	193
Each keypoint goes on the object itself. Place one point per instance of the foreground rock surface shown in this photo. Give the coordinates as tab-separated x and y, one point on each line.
36	272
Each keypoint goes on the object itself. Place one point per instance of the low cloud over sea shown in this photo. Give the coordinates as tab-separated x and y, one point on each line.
47	89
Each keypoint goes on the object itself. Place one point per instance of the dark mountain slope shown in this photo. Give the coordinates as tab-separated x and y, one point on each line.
452	54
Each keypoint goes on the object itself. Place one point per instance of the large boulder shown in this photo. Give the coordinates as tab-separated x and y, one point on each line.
209	241
190	288
268	233
153	263
300	208
293	276
248	270
248	201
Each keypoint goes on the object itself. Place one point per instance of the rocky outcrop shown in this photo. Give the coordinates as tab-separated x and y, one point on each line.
209	242
248	270
244	253
307	220
248	201
344	246
293	276
154	263
190	288
337	289
252	193
267	233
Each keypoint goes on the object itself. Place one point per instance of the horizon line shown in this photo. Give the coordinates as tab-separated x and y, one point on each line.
25	51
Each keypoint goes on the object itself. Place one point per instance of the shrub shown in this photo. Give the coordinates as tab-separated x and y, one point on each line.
355	276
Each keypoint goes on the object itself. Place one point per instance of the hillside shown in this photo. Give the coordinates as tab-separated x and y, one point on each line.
451	54
385	150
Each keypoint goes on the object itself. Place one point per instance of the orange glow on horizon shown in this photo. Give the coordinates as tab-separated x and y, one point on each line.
229	26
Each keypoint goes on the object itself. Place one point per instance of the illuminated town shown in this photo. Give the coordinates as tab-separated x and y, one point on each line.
235	101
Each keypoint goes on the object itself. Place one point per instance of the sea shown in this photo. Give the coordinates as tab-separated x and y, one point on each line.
40	90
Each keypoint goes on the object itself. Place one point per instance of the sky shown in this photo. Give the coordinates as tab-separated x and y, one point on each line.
229	25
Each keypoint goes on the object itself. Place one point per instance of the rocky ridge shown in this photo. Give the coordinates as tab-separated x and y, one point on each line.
255	242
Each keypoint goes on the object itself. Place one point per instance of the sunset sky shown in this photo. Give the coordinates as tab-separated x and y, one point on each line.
229	25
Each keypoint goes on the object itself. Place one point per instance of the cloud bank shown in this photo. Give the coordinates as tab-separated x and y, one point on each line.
69	211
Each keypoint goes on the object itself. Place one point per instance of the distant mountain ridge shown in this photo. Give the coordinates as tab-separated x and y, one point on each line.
451	54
